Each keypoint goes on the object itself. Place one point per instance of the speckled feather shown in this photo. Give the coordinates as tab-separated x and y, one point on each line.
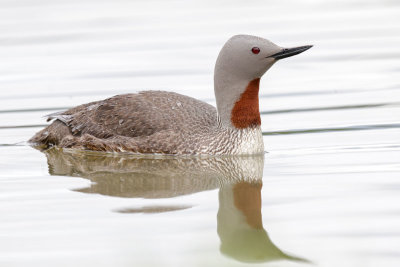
147	122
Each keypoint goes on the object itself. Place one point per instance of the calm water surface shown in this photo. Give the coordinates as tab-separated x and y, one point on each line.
327	193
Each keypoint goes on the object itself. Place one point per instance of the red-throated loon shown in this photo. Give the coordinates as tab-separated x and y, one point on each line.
169	123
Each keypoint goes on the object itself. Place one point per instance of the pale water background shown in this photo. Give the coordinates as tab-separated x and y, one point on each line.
331	117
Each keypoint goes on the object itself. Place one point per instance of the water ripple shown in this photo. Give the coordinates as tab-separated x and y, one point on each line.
335	129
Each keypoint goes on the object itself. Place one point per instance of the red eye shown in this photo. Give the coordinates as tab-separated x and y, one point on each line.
255	50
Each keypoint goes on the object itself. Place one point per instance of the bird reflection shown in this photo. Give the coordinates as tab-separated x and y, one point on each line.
239	179
240	227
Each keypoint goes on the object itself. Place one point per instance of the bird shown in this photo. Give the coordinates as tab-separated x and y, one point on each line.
161	122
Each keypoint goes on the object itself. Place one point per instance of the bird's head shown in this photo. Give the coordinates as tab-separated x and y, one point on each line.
240	64
249	57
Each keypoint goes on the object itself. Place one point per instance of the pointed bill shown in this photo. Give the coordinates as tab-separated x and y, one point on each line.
288	52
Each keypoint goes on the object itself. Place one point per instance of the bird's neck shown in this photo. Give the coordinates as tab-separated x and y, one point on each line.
237	101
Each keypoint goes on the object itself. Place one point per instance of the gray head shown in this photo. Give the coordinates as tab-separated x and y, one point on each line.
240	64
250	56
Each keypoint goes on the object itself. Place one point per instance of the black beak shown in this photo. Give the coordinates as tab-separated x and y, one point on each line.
288	52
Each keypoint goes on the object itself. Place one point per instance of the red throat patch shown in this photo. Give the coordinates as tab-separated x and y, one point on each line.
245	112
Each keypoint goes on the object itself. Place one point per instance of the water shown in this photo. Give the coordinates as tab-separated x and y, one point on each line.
325	194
